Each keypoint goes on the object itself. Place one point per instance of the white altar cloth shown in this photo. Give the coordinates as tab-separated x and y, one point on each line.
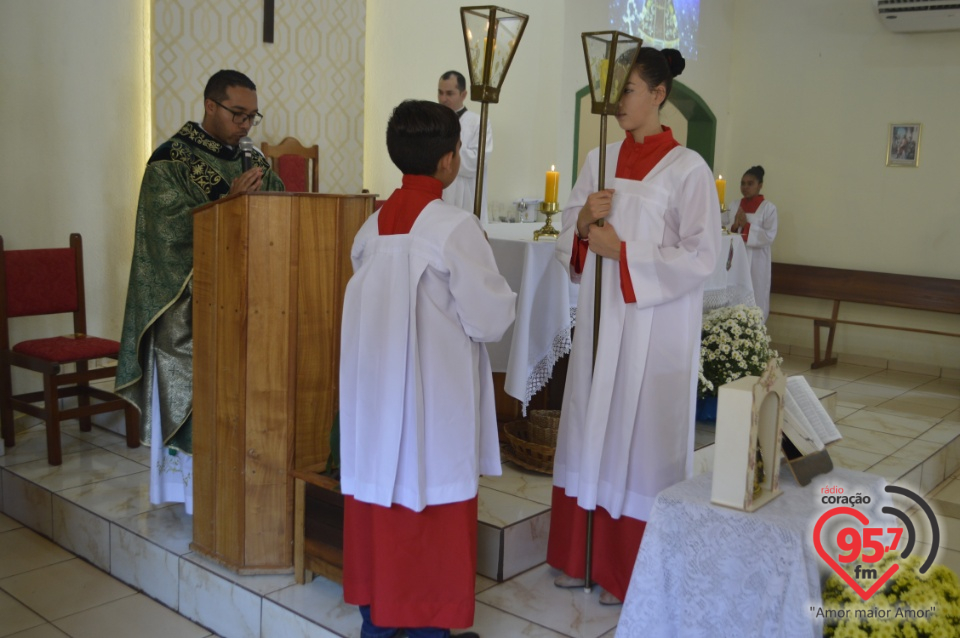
546	308
707	570
547	302
730	284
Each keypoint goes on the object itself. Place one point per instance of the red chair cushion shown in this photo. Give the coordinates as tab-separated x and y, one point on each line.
41	281
68	349
292	169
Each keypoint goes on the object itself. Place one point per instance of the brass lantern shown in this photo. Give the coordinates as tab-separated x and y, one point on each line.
609	56
491	36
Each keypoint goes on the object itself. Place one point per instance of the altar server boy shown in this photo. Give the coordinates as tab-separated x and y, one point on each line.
417	416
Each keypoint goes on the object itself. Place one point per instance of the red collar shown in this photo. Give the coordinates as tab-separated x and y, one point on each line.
637	159
400	211
752	204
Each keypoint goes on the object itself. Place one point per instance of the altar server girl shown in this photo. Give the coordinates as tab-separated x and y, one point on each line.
756	221
626	429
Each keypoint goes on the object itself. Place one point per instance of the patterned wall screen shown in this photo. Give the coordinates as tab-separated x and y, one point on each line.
309	80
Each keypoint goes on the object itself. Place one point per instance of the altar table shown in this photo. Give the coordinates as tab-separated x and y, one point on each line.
547	302
730	283
546	308
707	570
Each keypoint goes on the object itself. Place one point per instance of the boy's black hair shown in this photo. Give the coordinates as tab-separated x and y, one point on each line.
419	134
220	81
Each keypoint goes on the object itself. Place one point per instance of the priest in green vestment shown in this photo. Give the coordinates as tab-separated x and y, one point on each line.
200	164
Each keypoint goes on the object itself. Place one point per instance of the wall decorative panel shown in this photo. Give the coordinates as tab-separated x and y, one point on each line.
309	80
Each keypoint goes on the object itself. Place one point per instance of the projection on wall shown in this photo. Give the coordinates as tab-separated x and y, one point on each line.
661	24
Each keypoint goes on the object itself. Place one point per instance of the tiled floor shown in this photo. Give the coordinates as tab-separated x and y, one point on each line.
903	425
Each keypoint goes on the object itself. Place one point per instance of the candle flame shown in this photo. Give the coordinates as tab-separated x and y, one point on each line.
720	177
552	167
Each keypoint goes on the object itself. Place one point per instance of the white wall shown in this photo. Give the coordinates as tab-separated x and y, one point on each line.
816	86
410	43
75	113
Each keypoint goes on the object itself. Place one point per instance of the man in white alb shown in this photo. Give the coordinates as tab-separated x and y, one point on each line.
451	92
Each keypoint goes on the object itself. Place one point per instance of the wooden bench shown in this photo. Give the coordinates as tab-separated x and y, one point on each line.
857	286
317	525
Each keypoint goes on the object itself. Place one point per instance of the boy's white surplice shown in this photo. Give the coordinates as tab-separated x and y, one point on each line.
626	429
417	302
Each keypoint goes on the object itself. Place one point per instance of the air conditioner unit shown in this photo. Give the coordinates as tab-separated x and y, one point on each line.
908	16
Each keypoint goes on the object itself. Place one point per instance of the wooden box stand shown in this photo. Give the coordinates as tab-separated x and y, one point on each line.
318	526
749	419
270	270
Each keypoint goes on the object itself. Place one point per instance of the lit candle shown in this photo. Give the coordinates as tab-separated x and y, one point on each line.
721	189
604	64
553	186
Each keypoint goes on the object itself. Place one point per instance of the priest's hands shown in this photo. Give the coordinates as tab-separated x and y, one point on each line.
248	181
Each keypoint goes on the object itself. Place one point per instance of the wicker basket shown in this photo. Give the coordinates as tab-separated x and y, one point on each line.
526	453
543	427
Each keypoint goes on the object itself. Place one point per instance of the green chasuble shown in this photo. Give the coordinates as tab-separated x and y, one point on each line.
188	170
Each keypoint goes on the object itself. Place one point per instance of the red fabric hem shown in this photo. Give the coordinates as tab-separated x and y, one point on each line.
626	283
579	257
414	569
616	543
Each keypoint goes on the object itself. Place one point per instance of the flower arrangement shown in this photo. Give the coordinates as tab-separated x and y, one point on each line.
909	604
734	344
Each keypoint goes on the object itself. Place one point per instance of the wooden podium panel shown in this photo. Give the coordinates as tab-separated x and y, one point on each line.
270	270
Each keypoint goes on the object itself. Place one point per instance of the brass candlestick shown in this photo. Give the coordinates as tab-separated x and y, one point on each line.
547	231
724	209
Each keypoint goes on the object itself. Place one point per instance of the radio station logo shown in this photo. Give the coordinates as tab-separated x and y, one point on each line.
866	541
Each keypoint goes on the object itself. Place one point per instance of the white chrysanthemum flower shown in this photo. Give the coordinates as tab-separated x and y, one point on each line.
734	343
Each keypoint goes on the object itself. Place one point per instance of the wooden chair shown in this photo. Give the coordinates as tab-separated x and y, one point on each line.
295	164
45	282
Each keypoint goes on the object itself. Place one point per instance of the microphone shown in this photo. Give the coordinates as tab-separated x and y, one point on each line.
246	153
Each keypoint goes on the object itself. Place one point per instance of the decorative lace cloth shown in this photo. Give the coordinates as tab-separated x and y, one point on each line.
546	309
707	570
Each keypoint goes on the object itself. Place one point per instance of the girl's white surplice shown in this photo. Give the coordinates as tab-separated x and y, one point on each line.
763	230
626	427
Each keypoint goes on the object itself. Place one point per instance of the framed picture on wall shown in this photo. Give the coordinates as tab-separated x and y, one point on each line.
903	145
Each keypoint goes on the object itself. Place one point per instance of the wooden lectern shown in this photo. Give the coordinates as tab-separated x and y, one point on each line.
269	274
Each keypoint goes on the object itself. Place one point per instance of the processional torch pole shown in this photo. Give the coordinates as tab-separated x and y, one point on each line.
491	35
609	56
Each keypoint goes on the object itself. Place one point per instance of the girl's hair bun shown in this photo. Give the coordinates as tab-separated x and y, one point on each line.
675	61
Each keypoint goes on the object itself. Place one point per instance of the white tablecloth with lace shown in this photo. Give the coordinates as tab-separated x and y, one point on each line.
730	284
707	570
546	309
